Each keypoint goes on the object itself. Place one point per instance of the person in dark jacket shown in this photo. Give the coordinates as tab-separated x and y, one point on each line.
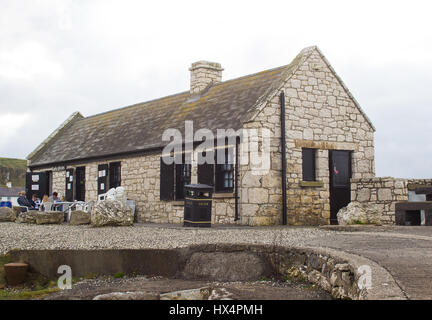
35	202
23	201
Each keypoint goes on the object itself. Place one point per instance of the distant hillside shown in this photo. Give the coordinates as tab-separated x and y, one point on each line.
15	169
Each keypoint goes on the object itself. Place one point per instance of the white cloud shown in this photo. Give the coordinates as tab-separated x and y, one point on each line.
28	61
10	124
59	56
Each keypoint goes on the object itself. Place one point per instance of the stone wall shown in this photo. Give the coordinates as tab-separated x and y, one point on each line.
321	114
383	193
140	176
59	182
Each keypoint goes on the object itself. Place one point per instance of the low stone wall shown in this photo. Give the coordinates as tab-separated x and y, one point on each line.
336	272
383	193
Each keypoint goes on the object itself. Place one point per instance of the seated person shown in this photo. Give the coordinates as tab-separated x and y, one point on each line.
35	202
45	199
54	197
24	202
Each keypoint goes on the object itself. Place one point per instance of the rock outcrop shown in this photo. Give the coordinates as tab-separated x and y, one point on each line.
49	217
111	213
79	217
7	214
134	295
27	217
40	217
358	213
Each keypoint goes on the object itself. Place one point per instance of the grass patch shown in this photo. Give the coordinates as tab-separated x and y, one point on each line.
90	275
119	275
359	222
25	294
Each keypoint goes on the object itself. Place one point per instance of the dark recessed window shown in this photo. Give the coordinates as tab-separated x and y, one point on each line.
183	177
173	178
225	172
308	164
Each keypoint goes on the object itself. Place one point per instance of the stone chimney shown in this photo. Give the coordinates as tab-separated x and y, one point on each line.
204	73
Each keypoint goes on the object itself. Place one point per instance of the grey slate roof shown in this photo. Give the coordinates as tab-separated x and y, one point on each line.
226	105
139	127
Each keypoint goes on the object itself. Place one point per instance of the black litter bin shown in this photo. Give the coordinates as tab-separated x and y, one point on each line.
197	205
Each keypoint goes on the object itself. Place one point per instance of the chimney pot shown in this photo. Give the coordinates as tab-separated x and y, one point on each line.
203	74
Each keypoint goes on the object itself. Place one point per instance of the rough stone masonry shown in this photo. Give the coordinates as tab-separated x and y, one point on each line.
320	113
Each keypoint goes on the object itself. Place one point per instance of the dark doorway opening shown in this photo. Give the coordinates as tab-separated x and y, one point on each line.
102	178
413	218
80	184
340	175
36	183
48	188
69	181
114	175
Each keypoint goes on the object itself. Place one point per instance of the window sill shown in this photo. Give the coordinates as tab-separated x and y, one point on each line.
313	184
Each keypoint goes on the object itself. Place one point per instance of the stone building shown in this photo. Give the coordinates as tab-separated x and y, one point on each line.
328	140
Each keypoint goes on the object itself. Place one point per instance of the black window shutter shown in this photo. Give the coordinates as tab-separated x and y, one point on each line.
166	180
102	178
308	164
206	171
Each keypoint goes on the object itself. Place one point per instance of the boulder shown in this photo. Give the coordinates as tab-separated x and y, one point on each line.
16	210
7	214
49	217
79	217
358	213
27	217
134	295
111	213
189	294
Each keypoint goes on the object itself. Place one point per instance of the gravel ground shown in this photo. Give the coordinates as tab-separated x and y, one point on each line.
249	290
29	236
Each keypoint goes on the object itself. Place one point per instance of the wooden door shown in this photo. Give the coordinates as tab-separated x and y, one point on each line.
80	184
102	178
69	182
340	175
36	183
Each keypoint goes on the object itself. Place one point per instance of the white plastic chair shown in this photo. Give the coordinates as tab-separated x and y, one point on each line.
88	207
46	206
26	208
102	196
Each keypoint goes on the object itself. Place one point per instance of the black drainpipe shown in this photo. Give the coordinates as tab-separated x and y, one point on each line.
236	176
284	195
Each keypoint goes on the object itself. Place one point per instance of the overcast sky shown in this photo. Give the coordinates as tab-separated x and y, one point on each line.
57	57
